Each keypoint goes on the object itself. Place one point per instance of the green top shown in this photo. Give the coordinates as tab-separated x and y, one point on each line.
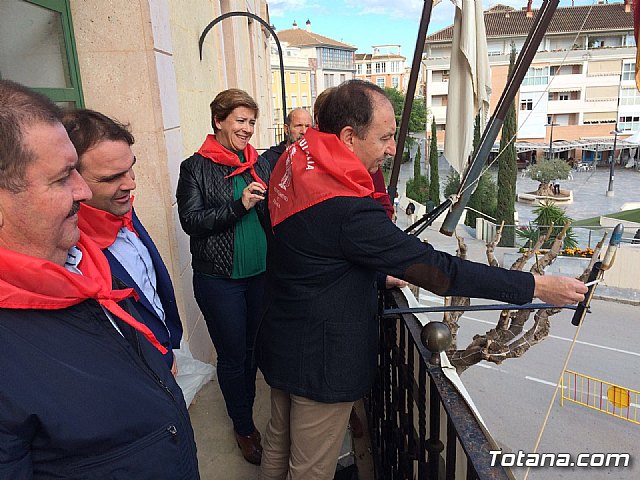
250	241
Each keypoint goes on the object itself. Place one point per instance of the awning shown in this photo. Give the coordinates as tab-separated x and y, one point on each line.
566	89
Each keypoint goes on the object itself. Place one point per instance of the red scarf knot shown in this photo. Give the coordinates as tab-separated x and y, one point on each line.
217	153
103	227
34	283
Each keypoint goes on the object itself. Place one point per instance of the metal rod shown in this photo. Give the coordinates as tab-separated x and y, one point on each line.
408	99
527	54
428	218
476	308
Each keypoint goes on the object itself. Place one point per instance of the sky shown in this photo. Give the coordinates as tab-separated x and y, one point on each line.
364	23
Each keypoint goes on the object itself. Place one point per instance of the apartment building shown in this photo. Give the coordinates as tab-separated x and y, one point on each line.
385	67
299	82
579	85
331	61
139	62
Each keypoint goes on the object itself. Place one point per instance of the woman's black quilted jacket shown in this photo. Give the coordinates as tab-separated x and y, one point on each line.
208	212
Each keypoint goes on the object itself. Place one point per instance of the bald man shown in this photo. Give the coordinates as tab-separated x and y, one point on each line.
295	126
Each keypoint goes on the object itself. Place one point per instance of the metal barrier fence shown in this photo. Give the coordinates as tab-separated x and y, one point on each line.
600	395
420	426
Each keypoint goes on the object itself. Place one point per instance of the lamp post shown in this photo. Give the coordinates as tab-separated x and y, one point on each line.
612	161
550	124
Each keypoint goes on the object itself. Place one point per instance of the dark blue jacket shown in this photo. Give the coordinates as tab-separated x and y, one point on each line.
80	401
319	336
168	335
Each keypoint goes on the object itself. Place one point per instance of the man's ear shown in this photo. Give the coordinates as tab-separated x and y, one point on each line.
347	135
286	128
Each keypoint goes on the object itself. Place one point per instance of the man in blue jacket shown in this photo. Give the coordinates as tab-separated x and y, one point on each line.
106	163
84	391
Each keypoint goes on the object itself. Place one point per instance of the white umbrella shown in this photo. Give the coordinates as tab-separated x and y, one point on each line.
635	138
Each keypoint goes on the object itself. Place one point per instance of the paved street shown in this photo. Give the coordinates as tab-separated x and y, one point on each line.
513	398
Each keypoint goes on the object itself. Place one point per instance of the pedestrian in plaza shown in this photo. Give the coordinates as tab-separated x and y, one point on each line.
317	343
221	192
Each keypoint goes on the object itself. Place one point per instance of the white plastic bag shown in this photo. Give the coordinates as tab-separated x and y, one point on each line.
192	374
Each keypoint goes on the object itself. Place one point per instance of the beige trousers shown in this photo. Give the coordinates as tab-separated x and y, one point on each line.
303	438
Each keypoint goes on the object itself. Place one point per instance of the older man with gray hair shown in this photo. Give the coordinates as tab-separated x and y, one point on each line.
296	124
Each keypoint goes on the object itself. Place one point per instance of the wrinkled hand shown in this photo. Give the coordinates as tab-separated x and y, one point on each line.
252	194
559	290
392	282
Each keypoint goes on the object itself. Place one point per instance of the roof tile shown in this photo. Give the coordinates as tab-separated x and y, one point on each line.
503	21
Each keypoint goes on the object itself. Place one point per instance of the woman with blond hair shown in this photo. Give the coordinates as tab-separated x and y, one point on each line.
221	203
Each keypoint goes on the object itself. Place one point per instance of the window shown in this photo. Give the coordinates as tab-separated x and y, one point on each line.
294	101
328	80
395	67
629	123
563	96
359	69
368	69
303	78
526	104
629	96
445	75
343	78
380	82
381	67
629	71
292	77
335	58
395	82
38	49
536	76
305	101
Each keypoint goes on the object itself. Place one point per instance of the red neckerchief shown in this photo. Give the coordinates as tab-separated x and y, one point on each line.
101	226
314	169
33	283
214	151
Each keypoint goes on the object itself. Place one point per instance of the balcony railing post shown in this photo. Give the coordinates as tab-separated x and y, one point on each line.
401	447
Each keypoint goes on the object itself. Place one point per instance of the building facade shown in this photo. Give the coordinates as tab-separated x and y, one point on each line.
331	62
138	62
579	86
385	67
299	83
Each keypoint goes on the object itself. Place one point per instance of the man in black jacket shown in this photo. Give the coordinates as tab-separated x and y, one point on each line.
84	389
295	126
317	343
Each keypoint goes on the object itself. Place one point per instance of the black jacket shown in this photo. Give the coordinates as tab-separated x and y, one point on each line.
208	212
80	401
273	154
318	338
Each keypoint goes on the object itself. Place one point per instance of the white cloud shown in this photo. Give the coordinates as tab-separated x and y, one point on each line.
277	8
394	8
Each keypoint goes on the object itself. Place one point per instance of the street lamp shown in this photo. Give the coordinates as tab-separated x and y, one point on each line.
551	124
612	161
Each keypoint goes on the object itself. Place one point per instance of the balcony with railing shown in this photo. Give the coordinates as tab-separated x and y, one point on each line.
421	426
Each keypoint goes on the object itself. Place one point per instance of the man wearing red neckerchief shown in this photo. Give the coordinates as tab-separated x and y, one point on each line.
317	343
106	163
84	392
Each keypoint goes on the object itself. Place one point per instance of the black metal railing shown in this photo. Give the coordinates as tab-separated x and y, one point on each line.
420	426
